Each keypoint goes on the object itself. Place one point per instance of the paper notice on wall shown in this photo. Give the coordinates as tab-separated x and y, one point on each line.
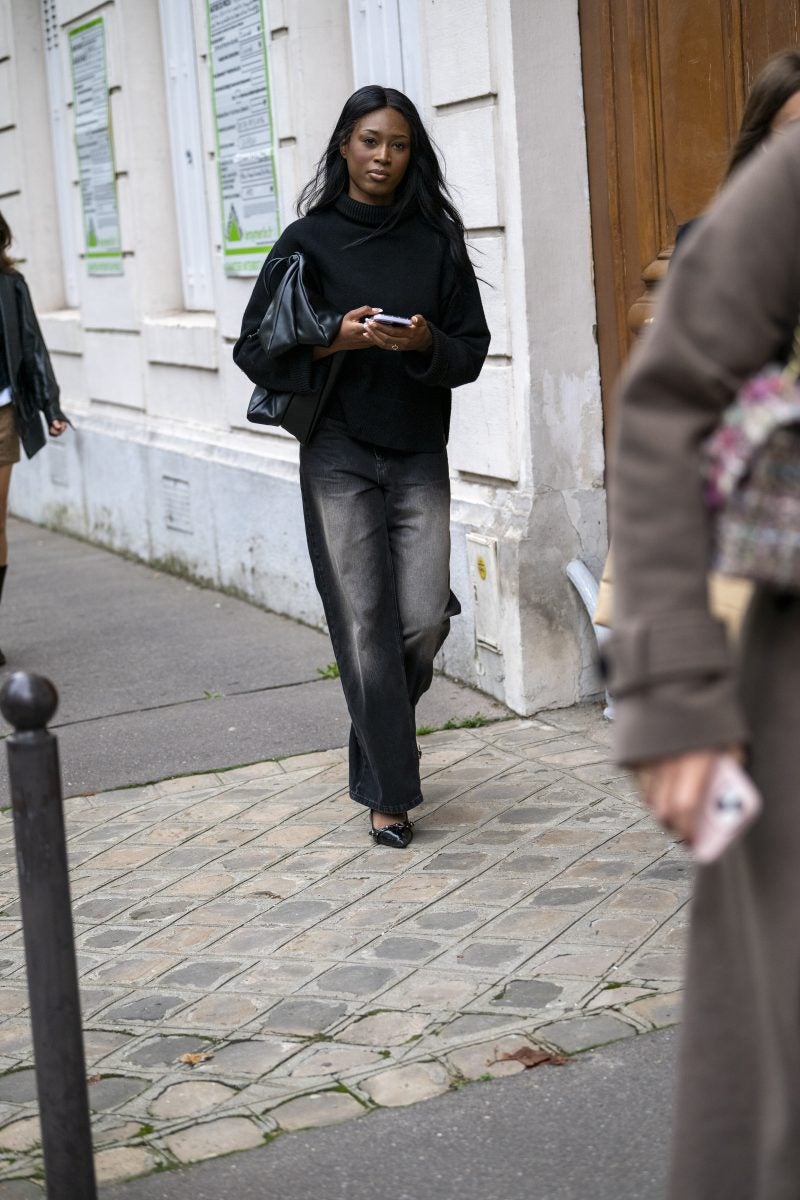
245	136
102	241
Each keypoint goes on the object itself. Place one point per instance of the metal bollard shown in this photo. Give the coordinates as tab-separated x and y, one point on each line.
28	703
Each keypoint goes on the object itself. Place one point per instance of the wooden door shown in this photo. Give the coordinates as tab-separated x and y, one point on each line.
664	88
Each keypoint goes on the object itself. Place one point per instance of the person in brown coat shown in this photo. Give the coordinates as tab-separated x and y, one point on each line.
729	306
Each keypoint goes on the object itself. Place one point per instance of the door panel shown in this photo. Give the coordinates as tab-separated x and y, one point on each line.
664	89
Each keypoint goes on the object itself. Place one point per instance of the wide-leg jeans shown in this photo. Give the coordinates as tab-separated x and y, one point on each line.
378	529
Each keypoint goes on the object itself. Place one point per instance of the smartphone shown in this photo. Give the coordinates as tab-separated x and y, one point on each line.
730	804
385	319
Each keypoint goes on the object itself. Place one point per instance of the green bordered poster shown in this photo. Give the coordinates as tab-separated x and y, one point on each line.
87	44
245	133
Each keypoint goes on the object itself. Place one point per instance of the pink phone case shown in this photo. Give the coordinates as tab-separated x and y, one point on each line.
731	803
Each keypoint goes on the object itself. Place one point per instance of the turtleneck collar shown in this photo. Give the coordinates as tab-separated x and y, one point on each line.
365	214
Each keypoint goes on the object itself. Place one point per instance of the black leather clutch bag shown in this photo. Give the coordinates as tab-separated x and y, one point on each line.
298	412
295	316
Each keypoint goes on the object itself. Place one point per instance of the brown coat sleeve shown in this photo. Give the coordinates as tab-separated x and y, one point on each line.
728	307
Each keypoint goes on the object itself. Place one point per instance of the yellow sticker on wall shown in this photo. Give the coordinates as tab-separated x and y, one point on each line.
481	566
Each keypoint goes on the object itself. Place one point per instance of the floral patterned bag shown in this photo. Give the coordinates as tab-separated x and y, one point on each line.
752	479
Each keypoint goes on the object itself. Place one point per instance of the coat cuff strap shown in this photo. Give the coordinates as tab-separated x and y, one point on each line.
642	653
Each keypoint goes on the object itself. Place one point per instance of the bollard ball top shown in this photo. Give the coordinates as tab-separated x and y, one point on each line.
28	701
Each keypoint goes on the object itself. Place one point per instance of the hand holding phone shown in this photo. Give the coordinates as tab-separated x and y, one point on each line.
387	319
729	806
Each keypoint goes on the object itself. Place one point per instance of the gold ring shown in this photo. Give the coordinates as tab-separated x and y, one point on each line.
395	346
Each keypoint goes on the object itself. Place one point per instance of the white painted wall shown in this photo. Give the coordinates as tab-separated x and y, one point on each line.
162	463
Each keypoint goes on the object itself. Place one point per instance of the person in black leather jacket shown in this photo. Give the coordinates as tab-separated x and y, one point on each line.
28	386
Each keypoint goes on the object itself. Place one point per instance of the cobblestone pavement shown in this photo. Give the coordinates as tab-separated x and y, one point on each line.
245	916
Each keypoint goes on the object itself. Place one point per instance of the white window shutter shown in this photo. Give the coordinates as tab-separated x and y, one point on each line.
62	153
188	164
385	41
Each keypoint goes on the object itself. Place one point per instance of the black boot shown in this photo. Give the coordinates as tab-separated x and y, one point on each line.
3	570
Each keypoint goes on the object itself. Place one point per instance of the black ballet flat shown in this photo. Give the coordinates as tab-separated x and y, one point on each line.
398	836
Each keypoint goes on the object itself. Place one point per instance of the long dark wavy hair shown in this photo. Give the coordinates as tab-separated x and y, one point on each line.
6	261
776	83
423	184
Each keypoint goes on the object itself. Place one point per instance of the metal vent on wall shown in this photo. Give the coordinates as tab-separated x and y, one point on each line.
177	504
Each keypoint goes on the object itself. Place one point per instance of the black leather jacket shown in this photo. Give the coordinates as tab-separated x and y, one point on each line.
33	384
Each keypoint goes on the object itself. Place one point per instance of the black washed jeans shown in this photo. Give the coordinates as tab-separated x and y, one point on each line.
378	528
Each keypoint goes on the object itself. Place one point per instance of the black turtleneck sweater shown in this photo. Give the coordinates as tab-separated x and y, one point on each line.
397	401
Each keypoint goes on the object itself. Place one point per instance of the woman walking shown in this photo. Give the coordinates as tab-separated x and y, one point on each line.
28	386
384	239
729	306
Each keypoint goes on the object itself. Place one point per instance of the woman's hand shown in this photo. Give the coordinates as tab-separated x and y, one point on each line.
673	789
351	333
58	427
416	336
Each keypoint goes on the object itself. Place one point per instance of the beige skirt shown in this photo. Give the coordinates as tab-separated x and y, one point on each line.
9	438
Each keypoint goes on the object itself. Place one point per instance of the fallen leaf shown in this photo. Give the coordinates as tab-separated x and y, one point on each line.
529	1057
94	1078
192	1060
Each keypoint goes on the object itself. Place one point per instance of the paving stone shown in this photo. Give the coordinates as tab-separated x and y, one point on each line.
227	912
213	1138
98	908
131	969
149	1006
404	949
491	837
334	1060
253	1058
357	979
476	1062
189	1099
670	869
491	888
300	912
164	1050
531	814
111	937
317	945
582	1033
18	1087
304	1017
12	1000
384	1029
20	1189
528	865
574	960
616	996
449	920
21	1135
566	837
526	993
667	964
417	887
224	1010
464	862
99	1043
157	910
180	938
123	1162
616	931
498	956
200	974
658	1011
537	925
637	898
113	1091
471	1024
406	1085
600	868
569	897
251	941
325	1108
431	990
